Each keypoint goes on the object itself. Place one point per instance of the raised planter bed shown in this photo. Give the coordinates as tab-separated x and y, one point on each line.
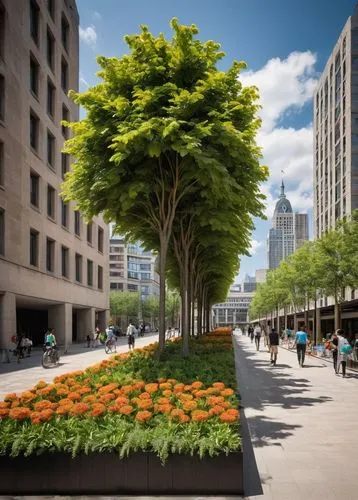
106	473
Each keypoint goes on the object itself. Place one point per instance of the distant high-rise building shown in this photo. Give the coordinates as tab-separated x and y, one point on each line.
335	177
249	284
260	275
289	230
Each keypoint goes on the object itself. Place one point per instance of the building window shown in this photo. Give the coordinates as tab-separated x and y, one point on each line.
100	239
34	189
2	31
50	149
2	164
78	266
64	261
64	75
100	277
64	164
64	213
66	118
50	255
89	232
51	8
2	98
34	247
2	231
89	272
51	201
34	21
34	131
77	223
50	49
65	30
51	92
34	75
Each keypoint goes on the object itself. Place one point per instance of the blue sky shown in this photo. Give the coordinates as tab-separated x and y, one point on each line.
285	43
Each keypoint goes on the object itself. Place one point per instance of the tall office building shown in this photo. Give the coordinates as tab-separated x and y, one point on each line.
289	231
132	269
53	266
335	176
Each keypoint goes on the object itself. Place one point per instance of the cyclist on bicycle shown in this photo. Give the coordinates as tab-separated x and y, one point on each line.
111	338
50	338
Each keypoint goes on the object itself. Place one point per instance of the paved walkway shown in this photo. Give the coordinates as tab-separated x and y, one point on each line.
303	428
16	377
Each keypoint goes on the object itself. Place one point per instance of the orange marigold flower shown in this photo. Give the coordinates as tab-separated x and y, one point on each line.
213	390
200	393
167	393
122	400
172	381
163	401
106	389
176	413
144	404
219	385
15	403
225	404
228	417
79	409
35	417
27	396
200	415
184	419
84	390
64	409
163	408
46	415
43	405
10	397
145	395
65	401
227	392
126	389
233	411
189	405
165	385
91	398
143	416
41	384
4	412
187	387
62	392
106	398
74	396
151	387
216	410
214	400
19	413
45	391
197	384
4	404
71	382
138	385
126	409
178	388
185	397
97	410
161	380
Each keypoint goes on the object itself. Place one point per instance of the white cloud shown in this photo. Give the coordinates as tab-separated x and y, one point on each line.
97	16
255	245
88	35
285	86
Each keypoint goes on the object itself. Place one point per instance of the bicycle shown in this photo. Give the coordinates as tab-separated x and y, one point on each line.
110	345
50	357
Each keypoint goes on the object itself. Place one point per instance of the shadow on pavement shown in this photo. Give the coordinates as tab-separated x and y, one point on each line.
252	481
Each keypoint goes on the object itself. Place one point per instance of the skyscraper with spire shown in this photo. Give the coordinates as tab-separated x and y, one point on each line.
289	231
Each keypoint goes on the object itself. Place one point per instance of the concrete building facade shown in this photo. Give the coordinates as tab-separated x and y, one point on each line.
234	311
53	266
132	269
335	179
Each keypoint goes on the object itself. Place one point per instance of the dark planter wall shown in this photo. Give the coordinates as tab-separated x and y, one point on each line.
106	473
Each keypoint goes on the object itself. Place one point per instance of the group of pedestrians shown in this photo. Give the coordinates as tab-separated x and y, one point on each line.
339	344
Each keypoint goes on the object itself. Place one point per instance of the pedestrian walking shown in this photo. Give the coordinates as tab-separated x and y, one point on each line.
250	332
267	332
333	346
301	344
344	349
273	343
257	335
131	330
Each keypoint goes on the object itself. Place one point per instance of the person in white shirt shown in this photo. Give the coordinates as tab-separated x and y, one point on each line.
257	335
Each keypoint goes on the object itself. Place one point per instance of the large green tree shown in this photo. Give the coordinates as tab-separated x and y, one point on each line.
163	125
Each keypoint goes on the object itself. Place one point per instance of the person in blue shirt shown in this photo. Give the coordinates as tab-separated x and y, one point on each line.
301	343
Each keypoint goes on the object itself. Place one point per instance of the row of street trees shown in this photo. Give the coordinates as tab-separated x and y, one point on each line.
167	152
323	268
127	306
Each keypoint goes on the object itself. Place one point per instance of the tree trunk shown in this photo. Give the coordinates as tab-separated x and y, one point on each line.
162	269
337	314
199	317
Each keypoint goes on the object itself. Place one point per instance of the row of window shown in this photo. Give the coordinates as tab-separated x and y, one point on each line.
35	26
51	203
65	261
